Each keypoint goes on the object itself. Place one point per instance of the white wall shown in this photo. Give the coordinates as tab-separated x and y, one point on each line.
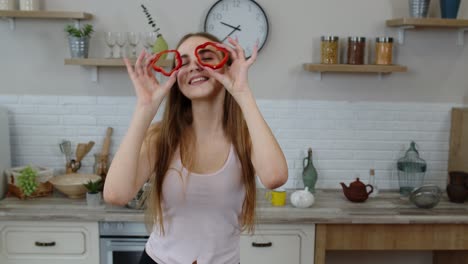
34	52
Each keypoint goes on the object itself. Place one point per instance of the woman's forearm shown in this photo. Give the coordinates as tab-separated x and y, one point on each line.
122	180
267	156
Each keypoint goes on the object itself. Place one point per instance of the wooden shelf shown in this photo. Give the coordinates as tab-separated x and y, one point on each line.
347	68
103	62
428	22
442	23
46	14
95	63
367	68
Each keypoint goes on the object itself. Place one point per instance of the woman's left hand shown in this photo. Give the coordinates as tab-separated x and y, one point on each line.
235	78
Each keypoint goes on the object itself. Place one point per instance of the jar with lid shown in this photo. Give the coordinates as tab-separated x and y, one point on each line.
356	50
384	50
329	49
101	165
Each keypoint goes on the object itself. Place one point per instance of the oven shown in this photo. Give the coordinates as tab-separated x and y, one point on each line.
121	242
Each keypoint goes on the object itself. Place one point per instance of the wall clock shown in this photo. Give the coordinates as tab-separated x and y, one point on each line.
244	19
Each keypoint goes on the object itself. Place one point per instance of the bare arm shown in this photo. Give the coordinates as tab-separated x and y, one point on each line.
267	157
131	166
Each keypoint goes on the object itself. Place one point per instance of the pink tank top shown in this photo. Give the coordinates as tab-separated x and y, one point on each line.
201	215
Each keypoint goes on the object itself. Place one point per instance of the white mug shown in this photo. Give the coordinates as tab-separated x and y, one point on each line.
30	5
7	5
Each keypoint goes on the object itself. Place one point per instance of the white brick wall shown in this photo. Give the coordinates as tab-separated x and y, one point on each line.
348	138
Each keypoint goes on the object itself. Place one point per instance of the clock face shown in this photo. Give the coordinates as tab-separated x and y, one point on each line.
244	19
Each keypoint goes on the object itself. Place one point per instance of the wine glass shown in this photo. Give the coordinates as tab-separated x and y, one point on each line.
121	40
149	40
133	39
110	39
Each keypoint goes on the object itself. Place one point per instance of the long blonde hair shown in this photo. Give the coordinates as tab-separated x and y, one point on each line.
174	130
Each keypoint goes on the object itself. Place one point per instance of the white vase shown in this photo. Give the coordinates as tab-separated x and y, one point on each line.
93	199
30	5
7	4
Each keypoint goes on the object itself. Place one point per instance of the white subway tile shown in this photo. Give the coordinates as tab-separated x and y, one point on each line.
77	100
9	99
39	100
29	119
78	120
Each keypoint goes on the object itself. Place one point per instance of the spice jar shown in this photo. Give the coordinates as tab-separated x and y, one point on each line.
384	50
329	50
356	50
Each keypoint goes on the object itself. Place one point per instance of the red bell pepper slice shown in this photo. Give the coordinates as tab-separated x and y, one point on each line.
178	62
220	64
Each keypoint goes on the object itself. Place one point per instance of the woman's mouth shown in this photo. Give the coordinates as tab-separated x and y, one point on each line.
198	80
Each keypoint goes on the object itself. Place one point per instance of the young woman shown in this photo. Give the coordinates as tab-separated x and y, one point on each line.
201	159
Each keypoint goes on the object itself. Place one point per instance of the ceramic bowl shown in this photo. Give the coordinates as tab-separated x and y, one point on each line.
426	196
72	184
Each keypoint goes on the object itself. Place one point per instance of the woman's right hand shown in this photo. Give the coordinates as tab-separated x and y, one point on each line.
149	91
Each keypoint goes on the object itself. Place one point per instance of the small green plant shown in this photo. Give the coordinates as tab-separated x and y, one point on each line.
27	180
85	31
150	19
94	186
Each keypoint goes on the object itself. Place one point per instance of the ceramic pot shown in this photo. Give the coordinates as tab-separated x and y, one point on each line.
449	8
93	199
457	193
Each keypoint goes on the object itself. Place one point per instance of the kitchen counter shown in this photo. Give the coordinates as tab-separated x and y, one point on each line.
330	207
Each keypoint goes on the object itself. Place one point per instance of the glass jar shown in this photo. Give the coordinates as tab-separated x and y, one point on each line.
411	170
384	51
356	50
329	50
101	165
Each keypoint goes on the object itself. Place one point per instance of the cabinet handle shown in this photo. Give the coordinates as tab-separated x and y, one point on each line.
268	244
45	244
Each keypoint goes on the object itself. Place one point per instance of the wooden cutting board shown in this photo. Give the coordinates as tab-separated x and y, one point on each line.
458	153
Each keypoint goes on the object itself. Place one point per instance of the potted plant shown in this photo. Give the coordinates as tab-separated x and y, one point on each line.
78	40
93	196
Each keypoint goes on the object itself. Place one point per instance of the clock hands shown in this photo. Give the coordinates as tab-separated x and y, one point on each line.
231	26
234	30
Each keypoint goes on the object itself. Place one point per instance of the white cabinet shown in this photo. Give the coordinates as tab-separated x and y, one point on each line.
275	244
49	243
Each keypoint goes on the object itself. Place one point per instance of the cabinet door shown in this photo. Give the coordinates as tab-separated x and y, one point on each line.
275	244
54	242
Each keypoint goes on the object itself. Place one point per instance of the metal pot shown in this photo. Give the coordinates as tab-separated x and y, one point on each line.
78	46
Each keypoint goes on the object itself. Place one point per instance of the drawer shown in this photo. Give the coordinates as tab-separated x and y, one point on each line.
26	242
47	241
271	249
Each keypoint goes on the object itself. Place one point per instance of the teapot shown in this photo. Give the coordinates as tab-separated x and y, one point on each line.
302	198
357	191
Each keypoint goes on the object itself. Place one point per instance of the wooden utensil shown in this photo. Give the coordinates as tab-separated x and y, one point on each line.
82	149
107	142
458	154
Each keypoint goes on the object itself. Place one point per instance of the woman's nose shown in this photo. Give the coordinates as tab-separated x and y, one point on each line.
195	66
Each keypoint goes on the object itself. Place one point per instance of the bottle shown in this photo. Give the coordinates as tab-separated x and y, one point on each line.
309	174
373	183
